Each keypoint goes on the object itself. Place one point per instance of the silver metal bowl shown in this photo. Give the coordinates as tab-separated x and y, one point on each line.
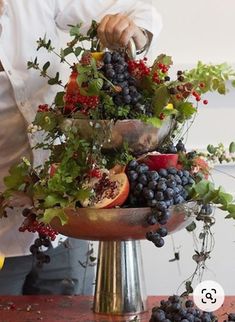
119	223
140	136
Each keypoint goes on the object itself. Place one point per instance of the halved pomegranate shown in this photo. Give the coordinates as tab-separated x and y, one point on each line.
109	191
156	161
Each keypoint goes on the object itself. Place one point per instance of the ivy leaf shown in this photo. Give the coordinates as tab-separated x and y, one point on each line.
160	99
232	147
17	176
52	200
51	213
186	110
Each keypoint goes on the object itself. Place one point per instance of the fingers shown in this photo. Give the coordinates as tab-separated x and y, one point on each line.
116	31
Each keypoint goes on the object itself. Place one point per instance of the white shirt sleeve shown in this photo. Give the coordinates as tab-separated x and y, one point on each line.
75	11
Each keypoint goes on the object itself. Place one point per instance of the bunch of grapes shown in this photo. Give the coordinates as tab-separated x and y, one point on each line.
158	190
45	232
172	149
35	249
174	309
116	70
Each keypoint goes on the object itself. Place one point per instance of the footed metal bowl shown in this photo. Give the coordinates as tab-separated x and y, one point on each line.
140	136
119	223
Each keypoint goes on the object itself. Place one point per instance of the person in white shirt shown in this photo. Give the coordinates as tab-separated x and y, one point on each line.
21	91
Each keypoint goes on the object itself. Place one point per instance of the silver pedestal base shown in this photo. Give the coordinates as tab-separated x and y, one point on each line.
120	286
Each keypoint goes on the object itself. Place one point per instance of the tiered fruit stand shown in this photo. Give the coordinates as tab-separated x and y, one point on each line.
120	287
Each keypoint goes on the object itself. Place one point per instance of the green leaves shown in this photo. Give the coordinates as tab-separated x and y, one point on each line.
65	52
59	99
214	77
75	30
95	86
191	227
232	147
55	80
160	99
18	176
46	120
155	121
186	110
205	192
51	213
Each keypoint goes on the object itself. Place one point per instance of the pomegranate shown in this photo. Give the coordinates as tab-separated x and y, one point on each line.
110	190
156	161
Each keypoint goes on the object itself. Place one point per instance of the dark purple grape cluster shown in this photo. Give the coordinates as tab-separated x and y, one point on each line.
158	190
176	309
36	251
170	148
115	69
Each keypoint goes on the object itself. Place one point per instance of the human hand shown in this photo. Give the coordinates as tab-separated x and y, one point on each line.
115	31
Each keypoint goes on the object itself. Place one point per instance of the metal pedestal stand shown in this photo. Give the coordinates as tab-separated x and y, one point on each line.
120	286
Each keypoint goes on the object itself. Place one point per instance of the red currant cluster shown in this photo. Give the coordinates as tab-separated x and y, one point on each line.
160	73
198	97
86	102
43	108
32	225
138	68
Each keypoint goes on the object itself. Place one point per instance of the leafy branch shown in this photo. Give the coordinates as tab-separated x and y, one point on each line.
213	77
43	72
205	192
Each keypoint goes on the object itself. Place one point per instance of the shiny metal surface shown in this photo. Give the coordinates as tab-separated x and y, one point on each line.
120	287
119	223
140	137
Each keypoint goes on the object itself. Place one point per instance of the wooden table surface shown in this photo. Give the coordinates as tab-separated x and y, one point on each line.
73	309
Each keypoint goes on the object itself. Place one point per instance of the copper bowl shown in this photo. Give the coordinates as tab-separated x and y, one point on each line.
141	137
119	223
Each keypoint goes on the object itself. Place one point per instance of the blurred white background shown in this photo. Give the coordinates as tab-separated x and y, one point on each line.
192	31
